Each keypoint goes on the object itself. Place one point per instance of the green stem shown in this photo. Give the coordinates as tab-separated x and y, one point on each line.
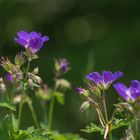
22	94
20	109
43	104
33	115
137	128
106	114
51	113
13	92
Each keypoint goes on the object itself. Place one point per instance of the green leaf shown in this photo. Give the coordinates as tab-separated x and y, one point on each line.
7	105
93	128
68	136
117	123
60	98
6	125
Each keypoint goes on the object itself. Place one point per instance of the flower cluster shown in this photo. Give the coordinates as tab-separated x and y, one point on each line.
127	110
103	82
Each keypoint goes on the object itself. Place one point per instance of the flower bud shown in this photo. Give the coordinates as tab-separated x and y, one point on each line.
35	71
2	86
61	66
63	83
80	90
19	59
84	106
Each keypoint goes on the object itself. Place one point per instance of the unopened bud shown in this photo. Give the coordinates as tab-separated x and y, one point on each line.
84	106
63	83
2	86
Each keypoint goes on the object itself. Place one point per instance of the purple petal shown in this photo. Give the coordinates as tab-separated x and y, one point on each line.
95	77
21	42
117	75
79	90
35	45
122	90
107	77
135	84
23	35
34	35
135	89
45	38
9	77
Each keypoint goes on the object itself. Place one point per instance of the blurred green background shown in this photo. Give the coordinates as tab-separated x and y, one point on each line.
94	35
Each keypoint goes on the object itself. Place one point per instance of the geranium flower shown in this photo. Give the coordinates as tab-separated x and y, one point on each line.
105	80
131	93
31	41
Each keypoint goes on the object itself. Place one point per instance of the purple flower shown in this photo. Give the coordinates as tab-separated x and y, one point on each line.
32	41
105	80
80	90
10	78
131	93
61	66
63	63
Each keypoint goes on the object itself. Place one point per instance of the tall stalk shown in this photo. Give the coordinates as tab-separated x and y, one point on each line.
137	128
51	113
22	95
33	114
106	113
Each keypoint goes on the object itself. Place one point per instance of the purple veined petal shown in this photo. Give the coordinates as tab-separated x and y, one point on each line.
95	77
122	90
21	42
117	75
45	38
107	77
23	35
34	35
35	45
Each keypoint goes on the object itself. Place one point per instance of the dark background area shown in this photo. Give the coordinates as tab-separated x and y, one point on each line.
94	35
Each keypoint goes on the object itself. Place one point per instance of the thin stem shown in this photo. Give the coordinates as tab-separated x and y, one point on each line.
106	114
22	94
44	111
100	115
137	128
20	109
13	92
51	112
33	115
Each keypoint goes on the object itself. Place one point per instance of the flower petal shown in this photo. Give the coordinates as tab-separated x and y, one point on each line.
45	38
135	84
95	77
121	89
34	35
107	77
35	45
9	77
117	75
23	35
22	42
135	89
